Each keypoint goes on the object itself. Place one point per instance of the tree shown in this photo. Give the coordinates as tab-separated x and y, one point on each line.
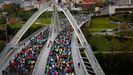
130	17
3	20
17	9
118	18
2	44
10	8
123	26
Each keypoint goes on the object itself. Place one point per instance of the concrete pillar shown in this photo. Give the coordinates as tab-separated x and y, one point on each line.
56	16
130	2
111	9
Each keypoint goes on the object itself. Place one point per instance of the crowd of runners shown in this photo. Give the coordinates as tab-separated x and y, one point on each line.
24	61
60	57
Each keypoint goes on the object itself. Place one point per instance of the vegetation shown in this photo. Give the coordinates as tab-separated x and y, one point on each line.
125	17
2	20
116	64
37	25
102	3
126	33
99	24
110	43
25	15
112	63
130	17
10	8
12	29
2	44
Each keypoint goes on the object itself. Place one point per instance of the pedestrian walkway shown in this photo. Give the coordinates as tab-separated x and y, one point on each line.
60	59
76	57
42	59
5	64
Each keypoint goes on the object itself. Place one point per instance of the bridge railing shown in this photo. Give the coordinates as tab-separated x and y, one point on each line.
20	33
74	40
83	41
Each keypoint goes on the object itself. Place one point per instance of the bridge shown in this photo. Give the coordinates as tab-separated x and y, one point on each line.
51	50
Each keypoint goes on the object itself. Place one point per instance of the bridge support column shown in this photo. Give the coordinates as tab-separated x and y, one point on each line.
56	17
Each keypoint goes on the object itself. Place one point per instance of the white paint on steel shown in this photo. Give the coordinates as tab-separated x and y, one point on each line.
26	26
95	65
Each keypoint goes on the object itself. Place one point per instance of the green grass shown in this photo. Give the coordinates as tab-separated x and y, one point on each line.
127	33
17	25
39	23
101	23
2	27
101	43
43	21
92	30
98	24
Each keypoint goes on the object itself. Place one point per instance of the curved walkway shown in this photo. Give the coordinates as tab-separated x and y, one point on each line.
80	70
42	59
5	62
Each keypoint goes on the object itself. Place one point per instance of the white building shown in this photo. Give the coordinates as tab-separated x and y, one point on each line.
120	6
27	5
120	9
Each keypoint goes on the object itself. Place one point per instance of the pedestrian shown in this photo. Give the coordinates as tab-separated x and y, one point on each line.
79	64
3	72
24	44
50	42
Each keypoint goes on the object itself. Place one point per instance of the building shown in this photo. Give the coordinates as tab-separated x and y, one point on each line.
77	1
121	2
117	6
29	4
120	9
120	6
1	4
85	4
